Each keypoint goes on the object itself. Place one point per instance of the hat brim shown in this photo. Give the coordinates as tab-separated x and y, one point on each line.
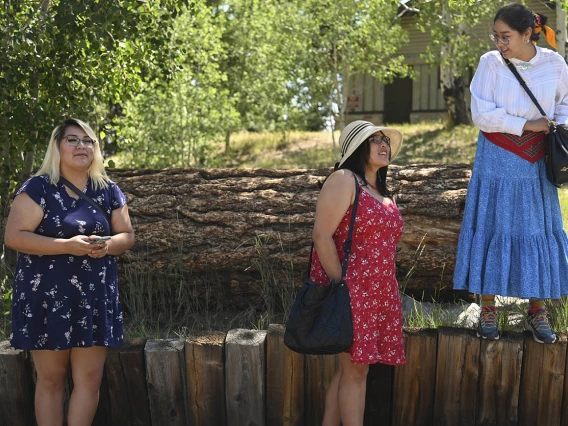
395	141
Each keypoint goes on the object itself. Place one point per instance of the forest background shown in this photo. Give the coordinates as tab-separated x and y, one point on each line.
173	83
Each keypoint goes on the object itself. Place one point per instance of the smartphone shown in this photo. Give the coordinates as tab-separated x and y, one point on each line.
99	240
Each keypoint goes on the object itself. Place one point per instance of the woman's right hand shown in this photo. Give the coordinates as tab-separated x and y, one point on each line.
539	125
79	245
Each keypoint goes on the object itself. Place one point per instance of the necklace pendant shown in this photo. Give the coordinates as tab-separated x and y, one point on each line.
523	66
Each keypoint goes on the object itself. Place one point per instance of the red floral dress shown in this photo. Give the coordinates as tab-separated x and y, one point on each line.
371	278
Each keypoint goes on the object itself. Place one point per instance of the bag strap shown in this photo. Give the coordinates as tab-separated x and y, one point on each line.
524	85
348	241
84	197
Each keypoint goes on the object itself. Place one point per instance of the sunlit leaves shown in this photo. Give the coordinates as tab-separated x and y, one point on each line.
67	58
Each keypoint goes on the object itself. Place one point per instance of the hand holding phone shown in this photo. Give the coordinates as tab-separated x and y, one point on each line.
99	240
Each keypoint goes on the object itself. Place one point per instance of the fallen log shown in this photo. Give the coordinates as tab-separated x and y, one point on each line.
240	226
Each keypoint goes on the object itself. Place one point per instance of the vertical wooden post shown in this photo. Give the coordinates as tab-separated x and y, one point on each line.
206	379
319	372
378	400
457	373
284	381
542	382
565	395
415	382
16	387
499	380
103	413
245	372
165	376
126	378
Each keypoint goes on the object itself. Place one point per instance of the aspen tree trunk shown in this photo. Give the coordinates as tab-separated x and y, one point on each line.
453	86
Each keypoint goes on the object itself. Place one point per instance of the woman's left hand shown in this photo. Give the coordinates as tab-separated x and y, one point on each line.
99	250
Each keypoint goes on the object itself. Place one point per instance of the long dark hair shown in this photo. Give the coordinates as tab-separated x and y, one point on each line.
357	161
519	18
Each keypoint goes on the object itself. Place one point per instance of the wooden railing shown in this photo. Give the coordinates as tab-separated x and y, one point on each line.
248	377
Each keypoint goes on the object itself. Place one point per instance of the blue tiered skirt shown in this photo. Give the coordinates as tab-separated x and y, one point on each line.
512	241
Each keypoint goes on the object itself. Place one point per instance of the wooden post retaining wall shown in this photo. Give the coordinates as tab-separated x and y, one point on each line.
249	378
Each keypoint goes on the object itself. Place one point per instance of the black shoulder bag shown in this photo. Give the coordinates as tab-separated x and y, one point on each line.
85	197
556	158
320	320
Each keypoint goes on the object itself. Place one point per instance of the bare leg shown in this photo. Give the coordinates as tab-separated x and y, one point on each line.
345	398
331	416
351	392
87	366
51	367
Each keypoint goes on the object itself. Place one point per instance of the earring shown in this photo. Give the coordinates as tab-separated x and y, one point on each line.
526	41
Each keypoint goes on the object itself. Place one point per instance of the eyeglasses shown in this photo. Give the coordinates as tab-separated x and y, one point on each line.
76	140
496	39
380	139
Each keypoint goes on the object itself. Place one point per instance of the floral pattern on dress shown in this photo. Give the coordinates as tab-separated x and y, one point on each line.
64	301
371	277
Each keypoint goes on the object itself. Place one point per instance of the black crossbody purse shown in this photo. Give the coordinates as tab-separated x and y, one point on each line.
85	197
556	158
320	320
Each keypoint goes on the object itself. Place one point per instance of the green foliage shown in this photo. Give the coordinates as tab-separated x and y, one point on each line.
5	306
454	46
60	58
258	65
171	124
265	40
450	23
348	38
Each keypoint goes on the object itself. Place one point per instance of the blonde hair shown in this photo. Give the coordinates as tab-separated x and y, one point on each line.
50	165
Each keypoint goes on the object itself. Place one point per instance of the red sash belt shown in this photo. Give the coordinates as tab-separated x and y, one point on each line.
530	145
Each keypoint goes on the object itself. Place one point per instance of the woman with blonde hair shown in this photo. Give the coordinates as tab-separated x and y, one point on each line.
65	307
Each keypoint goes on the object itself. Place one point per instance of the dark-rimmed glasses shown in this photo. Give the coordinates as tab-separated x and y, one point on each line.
382	138
74	140
496	39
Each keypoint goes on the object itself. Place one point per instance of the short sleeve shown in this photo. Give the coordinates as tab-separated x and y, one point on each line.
35	187
117	198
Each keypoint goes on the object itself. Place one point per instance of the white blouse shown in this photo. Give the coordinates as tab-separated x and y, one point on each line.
500	104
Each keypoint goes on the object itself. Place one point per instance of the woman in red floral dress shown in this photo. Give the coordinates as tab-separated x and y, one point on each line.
366	150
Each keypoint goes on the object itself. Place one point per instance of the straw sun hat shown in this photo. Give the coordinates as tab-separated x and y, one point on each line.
357	132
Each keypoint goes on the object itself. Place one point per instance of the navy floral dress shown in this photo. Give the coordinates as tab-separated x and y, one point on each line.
65	301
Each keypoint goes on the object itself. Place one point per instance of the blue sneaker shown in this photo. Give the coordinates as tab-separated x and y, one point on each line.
541	330
487	326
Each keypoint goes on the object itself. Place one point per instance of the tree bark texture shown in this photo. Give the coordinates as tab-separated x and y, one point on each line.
454	95
244	227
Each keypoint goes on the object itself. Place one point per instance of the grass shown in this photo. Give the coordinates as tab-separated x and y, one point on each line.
423	143
428	142
302	150
177	303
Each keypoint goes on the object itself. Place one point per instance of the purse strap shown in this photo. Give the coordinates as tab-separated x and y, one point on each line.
84	197
348	241
524	85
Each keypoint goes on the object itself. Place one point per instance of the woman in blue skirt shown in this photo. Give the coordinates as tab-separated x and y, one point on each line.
65	306
512	240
